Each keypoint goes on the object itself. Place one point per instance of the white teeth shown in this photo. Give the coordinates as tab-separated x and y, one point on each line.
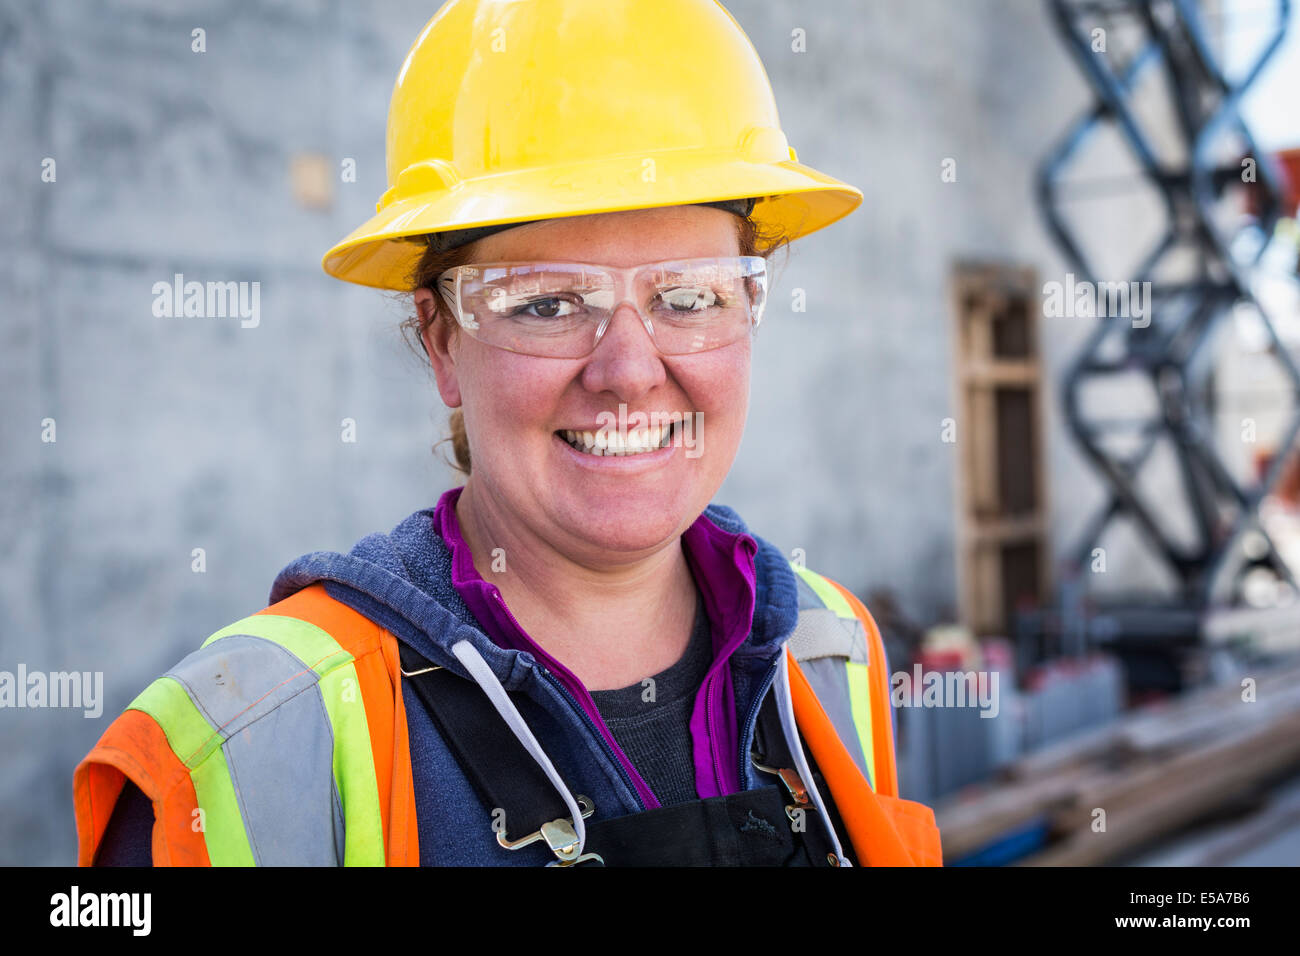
612	443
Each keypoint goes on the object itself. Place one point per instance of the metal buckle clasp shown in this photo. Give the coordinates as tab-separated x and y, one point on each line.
794	785
560	836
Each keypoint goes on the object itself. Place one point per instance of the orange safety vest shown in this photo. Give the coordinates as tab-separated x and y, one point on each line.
171	756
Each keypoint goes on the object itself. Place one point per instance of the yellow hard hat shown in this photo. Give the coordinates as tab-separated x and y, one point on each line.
510	112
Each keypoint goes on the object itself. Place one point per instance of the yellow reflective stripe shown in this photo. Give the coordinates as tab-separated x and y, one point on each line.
311	645
832	598
197	744
354	768
859	676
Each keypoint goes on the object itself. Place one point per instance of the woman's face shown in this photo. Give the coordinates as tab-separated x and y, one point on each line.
597	509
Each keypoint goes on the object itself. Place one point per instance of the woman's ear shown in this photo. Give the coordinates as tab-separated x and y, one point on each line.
439	341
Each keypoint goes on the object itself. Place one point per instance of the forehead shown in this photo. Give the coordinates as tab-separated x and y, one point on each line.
620	238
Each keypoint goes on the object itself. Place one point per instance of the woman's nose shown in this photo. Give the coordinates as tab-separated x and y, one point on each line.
626	360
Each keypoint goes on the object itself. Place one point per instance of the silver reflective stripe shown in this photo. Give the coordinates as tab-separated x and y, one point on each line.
278	743
824	643
807	596
830	682
820	632
282	769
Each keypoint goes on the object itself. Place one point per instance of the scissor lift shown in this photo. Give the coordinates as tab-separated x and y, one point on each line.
1173	346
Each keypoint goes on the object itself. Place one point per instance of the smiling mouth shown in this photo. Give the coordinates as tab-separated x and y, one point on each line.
638	441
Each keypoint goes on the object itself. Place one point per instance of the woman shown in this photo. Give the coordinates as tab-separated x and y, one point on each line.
574	657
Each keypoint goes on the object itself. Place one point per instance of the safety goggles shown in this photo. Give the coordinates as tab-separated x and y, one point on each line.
562	309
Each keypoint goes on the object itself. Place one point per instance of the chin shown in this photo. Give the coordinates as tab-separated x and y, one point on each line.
631	541
629	522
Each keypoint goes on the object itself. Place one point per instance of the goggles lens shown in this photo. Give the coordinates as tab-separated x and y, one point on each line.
561	309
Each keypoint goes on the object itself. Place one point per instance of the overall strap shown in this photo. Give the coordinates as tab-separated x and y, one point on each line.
504	775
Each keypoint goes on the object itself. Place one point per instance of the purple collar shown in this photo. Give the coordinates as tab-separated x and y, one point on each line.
723	566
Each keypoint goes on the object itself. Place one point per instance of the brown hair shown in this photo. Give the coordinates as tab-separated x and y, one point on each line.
753	241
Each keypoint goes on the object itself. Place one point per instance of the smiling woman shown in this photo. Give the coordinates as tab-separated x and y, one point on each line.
576	657
594	537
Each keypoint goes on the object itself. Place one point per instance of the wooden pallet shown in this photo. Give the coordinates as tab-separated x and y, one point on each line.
997	387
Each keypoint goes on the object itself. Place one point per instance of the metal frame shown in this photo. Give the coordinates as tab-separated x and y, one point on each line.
1172	349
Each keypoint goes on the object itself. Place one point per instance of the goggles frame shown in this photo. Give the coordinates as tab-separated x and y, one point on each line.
626	281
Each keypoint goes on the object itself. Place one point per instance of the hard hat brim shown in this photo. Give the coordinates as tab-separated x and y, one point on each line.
793	199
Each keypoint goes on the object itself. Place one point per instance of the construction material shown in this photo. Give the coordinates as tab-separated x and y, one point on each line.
954	745
1109	792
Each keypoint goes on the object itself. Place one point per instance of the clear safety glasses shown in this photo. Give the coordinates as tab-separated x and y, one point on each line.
562	309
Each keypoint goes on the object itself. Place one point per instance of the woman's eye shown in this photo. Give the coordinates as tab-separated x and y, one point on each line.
692	299
545	309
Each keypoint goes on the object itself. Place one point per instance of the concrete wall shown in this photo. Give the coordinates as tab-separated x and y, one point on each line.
177	434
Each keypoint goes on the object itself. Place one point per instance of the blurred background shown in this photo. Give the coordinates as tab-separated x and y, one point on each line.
1100	505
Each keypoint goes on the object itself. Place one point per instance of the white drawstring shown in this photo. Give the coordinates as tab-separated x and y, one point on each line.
479	670
785	707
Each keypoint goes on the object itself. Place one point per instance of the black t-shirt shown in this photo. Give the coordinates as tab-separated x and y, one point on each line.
651	719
